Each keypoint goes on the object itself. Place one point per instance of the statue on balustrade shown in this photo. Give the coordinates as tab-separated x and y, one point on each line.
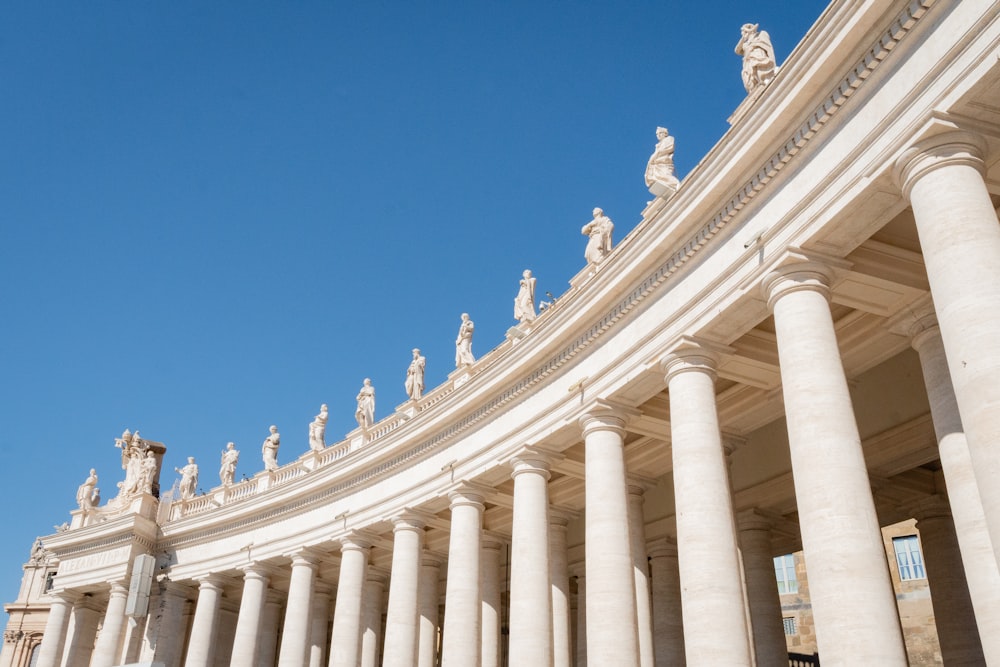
524	302
599	230
133	452
317	430
463	343
415	376
270	449
227	467
759	66
189	479
660	177
86	492
365	412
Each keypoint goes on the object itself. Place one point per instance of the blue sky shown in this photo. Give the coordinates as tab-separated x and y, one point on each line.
216	216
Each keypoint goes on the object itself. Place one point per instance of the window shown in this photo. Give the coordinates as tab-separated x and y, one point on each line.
789	623
784	572
50	578
911	563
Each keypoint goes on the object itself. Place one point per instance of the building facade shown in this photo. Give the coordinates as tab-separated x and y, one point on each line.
797	346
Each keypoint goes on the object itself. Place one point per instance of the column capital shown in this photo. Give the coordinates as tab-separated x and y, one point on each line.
754	519
491	540
377	575
931	507
65	596
662	547
213	582
603	415
305	557
688	353
941	150
578	569
465	493
431	559
560	516
532	459
258	570
118	588
408	519
731	442
807	274
915	321
355	541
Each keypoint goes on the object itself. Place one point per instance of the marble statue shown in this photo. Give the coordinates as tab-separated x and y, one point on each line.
133	452
759	66
147	473
317	430
463	344
660	177
85	493
365	413
524	302
599	230
415	376
189	479
270	449
227	467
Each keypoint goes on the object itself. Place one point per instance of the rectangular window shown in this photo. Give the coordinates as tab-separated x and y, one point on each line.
784	572
911	563
789	623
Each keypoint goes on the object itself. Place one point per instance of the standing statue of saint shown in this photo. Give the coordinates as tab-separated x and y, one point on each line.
463	344
270	449
227	468
85	493
660	177
147	473
189	479
524	302
415	376
599	230
759	65
365	412
317	430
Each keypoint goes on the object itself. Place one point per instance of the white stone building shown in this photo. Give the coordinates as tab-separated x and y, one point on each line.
800	345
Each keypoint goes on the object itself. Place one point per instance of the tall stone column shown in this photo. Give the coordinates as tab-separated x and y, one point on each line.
404	582
248	623
463	599
612	636
345	641
430	575
580	638
295	636
318	639
53	641
562	647
371	633
840	529
640	565
109	643
953	613
762	588
706	532
490	577
530	587
960	241
960	477
270	622
164	642
668	626
201	646
80	644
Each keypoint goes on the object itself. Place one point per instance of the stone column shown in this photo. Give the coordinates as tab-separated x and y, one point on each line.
960	241
295	635
430	575
612	636
248	623
372	622
201	646
345	642
463	599
580	640
668	627
762	588
270	621
401	617
109	642
80	644
562	648
50	653
706	533
953	613
530	587
840	529
490	569
960	477
640	565
163	639
318	639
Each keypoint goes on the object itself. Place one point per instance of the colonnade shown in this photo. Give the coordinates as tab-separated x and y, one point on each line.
708	597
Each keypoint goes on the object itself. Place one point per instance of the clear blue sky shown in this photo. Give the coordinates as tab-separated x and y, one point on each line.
216	216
